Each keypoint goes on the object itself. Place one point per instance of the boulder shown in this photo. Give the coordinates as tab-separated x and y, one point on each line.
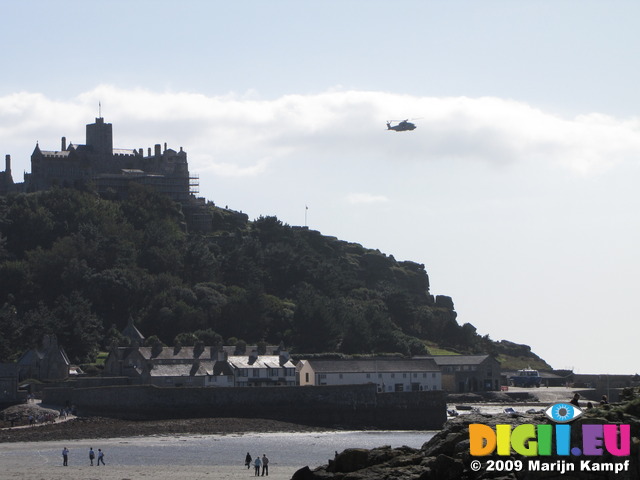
350	460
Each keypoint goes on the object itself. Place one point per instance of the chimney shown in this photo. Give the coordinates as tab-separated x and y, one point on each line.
7	162
218	354
149	150
165	146
158	152
284	357
64	144
253	356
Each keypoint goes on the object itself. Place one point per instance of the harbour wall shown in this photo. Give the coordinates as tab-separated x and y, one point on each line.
348	406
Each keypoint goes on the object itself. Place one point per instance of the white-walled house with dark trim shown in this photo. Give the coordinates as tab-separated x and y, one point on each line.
391	375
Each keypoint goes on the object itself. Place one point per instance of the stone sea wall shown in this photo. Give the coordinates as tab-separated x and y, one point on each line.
353	406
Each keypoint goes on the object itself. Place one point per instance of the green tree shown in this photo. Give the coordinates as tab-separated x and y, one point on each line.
79	331
314	325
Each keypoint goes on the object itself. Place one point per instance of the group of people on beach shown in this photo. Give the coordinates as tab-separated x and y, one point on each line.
92	457
576	401
257	463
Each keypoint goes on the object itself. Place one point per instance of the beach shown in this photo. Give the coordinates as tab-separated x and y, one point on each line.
57	472
204	448
156	457
192	455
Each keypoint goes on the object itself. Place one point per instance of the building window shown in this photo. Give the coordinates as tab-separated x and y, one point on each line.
306	377
433	375
322	376
340	376
393	375
404	375
368	375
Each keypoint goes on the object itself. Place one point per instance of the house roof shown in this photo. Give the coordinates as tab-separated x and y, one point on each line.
262	361
174	353
459	359
30	356
373	365
132	332
181	369
222	368
269	349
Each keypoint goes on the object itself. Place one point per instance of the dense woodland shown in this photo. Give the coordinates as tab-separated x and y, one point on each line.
80	266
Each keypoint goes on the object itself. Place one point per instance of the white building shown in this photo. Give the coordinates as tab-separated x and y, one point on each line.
253	371
391	375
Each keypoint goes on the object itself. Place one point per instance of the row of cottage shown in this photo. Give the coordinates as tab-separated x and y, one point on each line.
221	367
227	366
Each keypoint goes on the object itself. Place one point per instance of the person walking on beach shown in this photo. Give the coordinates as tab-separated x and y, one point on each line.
247	460
92	455
257	464
265	465
65	457
100	457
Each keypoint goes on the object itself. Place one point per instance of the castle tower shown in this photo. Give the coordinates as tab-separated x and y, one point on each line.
100	137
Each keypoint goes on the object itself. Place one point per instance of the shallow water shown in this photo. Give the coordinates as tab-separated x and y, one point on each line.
284	449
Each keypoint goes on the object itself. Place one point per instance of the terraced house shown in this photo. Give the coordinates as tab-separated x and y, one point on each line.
390	375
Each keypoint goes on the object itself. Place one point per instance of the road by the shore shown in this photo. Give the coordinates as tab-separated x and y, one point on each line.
551	395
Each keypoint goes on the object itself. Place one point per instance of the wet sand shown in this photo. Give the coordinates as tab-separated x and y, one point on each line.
43	461
57	472
98	427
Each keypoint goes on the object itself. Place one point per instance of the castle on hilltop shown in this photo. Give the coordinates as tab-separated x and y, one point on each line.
110	171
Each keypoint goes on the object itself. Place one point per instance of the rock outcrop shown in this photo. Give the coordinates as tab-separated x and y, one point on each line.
446	456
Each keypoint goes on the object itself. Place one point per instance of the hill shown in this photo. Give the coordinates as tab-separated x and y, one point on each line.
80	266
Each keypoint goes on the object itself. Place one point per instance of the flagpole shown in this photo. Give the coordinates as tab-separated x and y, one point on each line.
305	215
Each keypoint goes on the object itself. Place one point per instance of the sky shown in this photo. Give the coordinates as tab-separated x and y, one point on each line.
517	190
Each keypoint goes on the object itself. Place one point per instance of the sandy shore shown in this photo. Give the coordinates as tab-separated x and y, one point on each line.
43	461
58	472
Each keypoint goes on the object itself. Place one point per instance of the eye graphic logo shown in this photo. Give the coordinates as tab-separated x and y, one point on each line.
563	412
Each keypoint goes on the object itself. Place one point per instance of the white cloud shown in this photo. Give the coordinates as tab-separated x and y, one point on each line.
227	169
366	198
234	134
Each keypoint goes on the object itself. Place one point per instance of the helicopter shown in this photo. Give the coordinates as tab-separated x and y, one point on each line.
404	125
